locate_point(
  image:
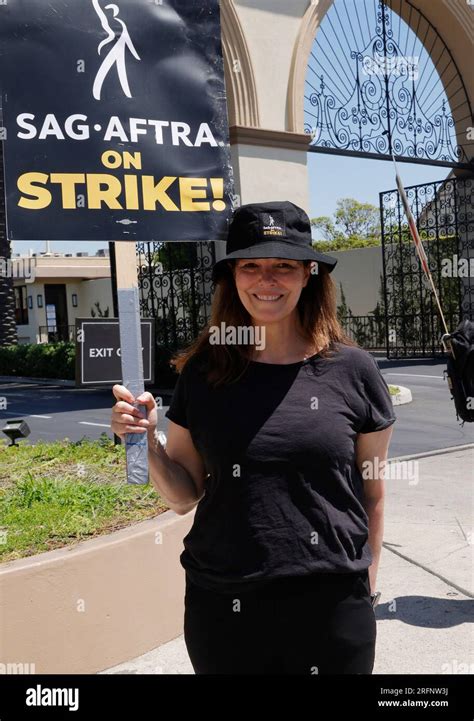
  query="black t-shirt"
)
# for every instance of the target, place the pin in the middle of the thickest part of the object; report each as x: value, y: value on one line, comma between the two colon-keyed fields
x: 284, y: 497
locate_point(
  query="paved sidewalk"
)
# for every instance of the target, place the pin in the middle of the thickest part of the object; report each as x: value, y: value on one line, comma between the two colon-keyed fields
x: 426, y: 612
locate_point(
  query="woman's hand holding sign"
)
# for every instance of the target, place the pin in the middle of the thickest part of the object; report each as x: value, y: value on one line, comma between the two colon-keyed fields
x: 178, y: 475
x: 128, y: 419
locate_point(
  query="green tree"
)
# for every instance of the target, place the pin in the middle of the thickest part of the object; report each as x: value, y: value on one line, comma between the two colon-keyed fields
x: 325, y: 225
x: 357, y: 220
x: 343, y: 310
x: 176, y: 256
x: 354, y: 225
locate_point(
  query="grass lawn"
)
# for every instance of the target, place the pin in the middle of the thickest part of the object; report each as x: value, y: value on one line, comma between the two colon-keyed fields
x: 56, y: 494
x: 393, y: 390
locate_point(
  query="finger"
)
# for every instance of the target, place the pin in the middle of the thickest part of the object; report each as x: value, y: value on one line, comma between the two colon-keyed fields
x: 147, y: 400
x: 125, y: 418
x: 123, y: 407
x: 121, y: 429
x: 122, y: 393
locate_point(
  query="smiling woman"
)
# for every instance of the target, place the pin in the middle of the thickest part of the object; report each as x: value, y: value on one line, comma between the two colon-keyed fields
x: 269, y: 443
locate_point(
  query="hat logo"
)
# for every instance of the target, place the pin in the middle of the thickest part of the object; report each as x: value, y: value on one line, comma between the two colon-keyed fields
x: 270, y: 226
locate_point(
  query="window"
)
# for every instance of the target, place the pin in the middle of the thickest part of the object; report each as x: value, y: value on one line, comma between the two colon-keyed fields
x: 21, y: 309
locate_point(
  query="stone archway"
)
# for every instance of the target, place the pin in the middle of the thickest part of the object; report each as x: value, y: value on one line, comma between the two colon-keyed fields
x: 242, y: 97
x: 310, y: 23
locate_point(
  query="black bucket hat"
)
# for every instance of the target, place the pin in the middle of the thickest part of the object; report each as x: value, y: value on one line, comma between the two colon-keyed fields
x: 276, y: 229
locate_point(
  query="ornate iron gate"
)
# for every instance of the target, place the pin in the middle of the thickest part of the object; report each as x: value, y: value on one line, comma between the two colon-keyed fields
x: 445, y: 221
x: 175, y: 287
x: 380, y: 80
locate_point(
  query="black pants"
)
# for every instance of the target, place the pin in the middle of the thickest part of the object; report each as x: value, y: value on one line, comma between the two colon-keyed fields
x: 322, y: 624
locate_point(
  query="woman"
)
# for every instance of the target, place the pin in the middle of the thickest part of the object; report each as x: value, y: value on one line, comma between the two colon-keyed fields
x: 280, y: 445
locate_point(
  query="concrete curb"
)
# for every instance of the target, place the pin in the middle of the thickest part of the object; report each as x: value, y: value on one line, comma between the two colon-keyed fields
x: 427, y: 454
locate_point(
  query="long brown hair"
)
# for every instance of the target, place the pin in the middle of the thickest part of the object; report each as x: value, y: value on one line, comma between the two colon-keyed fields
x: 226, y: 363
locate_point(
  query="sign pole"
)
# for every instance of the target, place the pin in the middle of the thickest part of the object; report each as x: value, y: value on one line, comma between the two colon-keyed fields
x: 136, y: 444
x: 113, y: 280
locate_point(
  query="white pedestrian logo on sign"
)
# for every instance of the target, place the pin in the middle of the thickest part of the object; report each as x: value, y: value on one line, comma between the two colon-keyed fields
x: 117, y: 52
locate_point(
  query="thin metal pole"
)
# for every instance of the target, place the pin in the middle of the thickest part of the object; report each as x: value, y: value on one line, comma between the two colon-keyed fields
x: 113, y: 278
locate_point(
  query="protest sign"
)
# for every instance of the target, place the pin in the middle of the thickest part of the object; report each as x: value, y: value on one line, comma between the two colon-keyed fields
x: 114, y: 120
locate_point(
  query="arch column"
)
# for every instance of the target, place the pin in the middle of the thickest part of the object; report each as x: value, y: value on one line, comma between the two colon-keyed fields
x: 268, y: 158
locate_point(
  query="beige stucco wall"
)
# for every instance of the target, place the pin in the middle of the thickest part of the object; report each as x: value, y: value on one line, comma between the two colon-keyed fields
x: 271, y: 174
x: 279, y: 35
x: 87, y: 277
x: 93, y: 291
x: 36, y: 316
x: 359, y: 273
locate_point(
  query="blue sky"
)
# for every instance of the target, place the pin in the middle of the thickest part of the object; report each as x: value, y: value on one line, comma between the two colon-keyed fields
x: 330, y: 178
